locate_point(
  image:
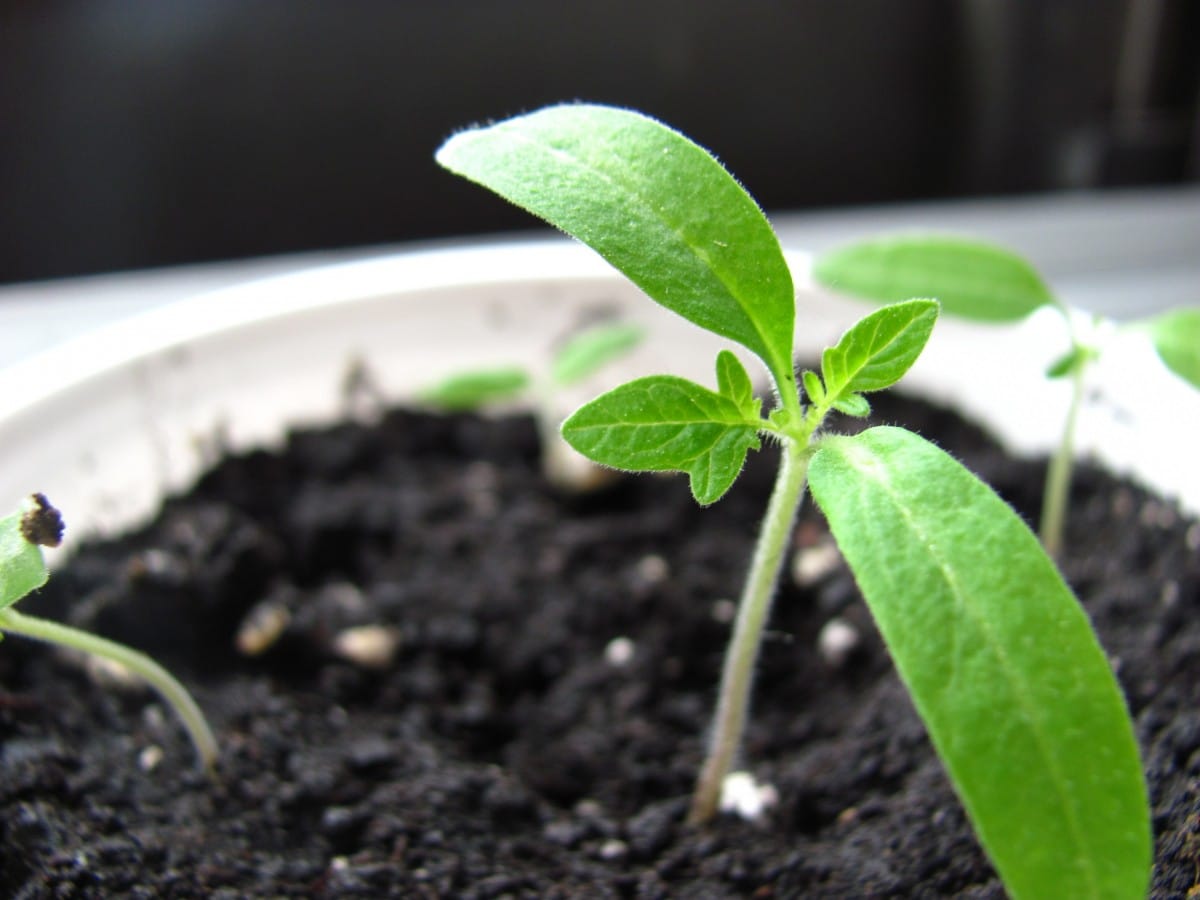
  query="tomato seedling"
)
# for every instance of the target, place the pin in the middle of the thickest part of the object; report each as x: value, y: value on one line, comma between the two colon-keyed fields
x: 23, y: 570
x: 580, y: 356
x: 999, y: 658
x: 983, y: 282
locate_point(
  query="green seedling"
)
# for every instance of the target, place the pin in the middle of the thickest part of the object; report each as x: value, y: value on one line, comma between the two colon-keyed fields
x: 23, y: 570
x: 580, y: 356
x: 999, y: 658
x: 985, y: 283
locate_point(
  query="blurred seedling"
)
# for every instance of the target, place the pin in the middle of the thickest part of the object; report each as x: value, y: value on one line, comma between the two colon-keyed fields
x: 983, y: 282
x: 581, y: 355
x: 23, y: 570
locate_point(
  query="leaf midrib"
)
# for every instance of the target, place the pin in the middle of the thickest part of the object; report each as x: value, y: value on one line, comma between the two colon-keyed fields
x: 644, y: 203
x: 943, y: 567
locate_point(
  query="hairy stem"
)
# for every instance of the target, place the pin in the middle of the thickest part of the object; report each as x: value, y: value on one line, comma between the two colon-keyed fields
x: 1058, y: 477
x: 139, y: 663
x: 755, y: 605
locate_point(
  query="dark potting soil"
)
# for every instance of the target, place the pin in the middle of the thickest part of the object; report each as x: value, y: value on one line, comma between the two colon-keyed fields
x: 460, y: 683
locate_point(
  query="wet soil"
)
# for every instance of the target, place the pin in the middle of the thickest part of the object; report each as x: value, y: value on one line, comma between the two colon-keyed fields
x: 460, y: 683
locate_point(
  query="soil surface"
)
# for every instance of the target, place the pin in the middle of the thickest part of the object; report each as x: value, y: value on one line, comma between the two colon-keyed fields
x: 434, y: 676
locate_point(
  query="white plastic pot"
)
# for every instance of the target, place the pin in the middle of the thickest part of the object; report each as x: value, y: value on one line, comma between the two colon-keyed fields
x: 108, y: 424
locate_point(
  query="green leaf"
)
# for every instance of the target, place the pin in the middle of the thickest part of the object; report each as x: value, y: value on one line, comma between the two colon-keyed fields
x: 22, y: 568
x: 1176, y: 337
x: 592, y: 349
x: 471, y: 390
x: 813, y: 389
x: 733, y: 381
x: 1071, y: 361
x: 853, y: 405
x: 969, y: 278
x: 666, y: 424
x: 654, y: 204
x: 877, y: 351
x: 1001, y: 662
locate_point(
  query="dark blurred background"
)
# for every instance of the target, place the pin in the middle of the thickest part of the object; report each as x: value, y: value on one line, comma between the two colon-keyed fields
x: 153, y: 133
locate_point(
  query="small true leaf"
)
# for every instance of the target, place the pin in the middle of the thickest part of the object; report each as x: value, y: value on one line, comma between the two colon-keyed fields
x: 654, y: 204
x: 853, y: 405
x: 471, y: 390
x: 592, y: 349
x: 876, y: 352
x: 1070, y: 362
x: 1176, y: 337
x: 22, y: 568
x: 666, y: 424
x: 969, y: 278
x: 1000, y: 660
x: 733, y: 381
x: 813, y: 389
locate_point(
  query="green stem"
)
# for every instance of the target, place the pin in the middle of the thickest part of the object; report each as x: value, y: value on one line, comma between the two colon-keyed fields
x: 1058, y: 478
x: 139, y: 663
x: 738, y: 674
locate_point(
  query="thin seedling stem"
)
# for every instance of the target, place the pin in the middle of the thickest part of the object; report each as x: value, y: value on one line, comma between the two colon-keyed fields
x: 139, y: 663
x: 738, y: 674
x: 1058, y: 478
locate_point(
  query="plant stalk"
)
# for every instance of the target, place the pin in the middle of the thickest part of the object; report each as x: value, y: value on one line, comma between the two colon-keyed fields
x: 1058, y: 478
x: 139, y: 663
x: 738, y: 674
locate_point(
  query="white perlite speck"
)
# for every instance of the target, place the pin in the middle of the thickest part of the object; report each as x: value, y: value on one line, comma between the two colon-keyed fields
x: 812, y: 564
x: 619, y: 651
x: 369, y: 646
x: 837, y: 641
x: 745, y: 797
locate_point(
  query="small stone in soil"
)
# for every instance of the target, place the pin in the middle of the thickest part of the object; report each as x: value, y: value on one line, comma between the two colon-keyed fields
x: 723, y: 611
x: 811, y: 565
x: 262, y: 627
x: 837, y: 641
x: 742, y: 795
x: 619, y: 651
x: 370, y: 646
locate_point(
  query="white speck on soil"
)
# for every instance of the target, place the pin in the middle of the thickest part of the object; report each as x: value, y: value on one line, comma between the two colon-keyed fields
x: 837, y: 640
x: 653, y: 569
x: 261, y: 627
x: 813, y: 564
x: 619, y: 651
x: 723, y: 611
x: 369, y: 646
x: 613, y: 849
x: 745, y: 797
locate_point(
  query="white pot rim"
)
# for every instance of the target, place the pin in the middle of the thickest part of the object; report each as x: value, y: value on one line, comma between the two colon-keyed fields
x: 131, y: 397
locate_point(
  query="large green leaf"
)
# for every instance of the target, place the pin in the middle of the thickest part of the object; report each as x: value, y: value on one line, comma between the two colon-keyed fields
x: 1176, y: 337
x: 21, y: 566
x: 666, y: 424
x: 969, y: 278
x: 654, y: 204
x: 1001, y: 662
x: 876, y: 352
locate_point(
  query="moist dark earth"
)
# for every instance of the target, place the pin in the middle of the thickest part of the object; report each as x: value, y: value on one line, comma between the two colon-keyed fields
x: 432, y: 675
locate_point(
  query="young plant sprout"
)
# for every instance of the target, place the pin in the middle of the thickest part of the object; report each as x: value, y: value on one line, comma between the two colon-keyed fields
x: 999, y: 658
x: 23, y: 570
x: 982, y: 282
x: 580, y: 356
